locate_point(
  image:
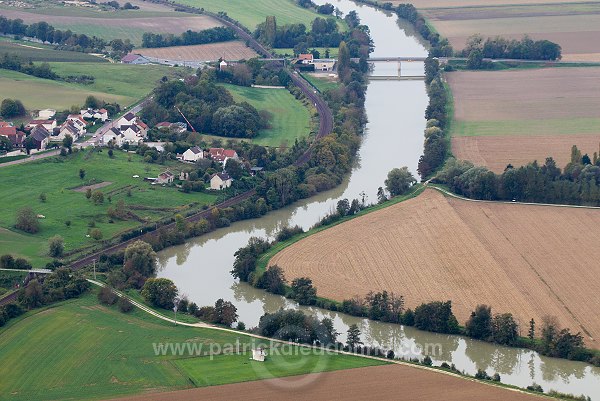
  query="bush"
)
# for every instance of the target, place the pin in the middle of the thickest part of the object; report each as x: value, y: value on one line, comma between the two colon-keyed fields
x: 241, y: 326
x: 22, y: 264
x: 27, y: 221
x: 106, y: 296
x: 7, y: 262
x: 96, y: 234
x: 125, y: 305
x: 56, y: 246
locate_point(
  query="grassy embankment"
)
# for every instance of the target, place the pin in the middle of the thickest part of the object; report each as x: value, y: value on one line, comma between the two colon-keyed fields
x: 83, y: 350
x: 252, y: 13
x: 333, y: 51
x: 21, y: 185
x: 9, y: 279
x: 291, y: 119
x: 121, y: 83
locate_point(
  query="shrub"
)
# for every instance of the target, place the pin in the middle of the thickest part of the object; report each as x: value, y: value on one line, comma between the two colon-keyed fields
x: 125, y: 305
x: 27, y: 221
x: 106, y: 296
x: 241, y: 326
x: 56, y: 246
x: 96, y: 234
x: 7, y: 262
x: 22, y: 264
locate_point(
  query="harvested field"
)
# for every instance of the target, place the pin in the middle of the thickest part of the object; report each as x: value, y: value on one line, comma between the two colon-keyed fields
x: 531, y: 261
x: 471, y: 3
x: 410, y: 383
x: 233, y: 50
x: 522, y: 115
x: 127, y: 26
x: 496, y: 152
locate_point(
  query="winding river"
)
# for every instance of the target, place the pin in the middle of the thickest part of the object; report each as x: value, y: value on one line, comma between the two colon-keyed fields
x: 393, y: 138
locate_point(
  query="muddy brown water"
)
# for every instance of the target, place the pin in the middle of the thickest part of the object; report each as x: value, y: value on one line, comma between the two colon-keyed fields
x: 393, y: 138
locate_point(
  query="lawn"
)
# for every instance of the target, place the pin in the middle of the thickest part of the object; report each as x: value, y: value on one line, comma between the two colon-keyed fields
x: 252, y: 13
x: 225, y: 369
x: 83, y: 350
x: 290, y: 118
x: 121, y: 83
x: 21, y: 185
x: 333, y: 51
x: 321, y: 81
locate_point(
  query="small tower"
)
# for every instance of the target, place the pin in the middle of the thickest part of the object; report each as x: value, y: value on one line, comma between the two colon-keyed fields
x: 222, y: 65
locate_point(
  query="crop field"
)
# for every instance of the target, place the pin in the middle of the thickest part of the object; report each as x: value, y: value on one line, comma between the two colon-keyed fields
x: 471, y: 3
x: 83, y: 350
x: 518, y: 116
x: 58, y: 178
x: 409, y: 383
x: 530, y: 261
x: 112, y: 25
x: 233, y: 51
x: 252, y: 13
x: 575, y: 26
x: 37, y: 52
x: 121, y: 83
x: 290, y: 118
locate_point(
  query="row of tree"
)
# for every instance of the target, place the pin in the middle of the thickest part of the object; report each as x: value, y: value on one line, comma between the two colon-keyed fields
x: 578, y: 183
x: 187, y: 38
x: 324, y: 32
x: 13, y: 62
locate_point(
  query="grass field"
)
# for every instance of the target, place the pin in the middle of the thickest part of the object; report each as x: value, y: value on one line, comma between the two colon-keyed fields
x: 252, y: 13
x: 121, y: 83
x: 333, y: 51
x: 232, y: 50
x: 57, y: 178
x: 527, y: 260
x: 291, y: 119
x: 82, y: 350
x: 322, y: 82
x: 518, y: 116
x: 120, y: 24
x: 37, y: 52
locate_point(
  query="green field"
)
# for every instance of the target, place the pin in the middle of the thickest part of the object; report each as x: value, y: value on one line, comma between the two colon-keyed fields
x: 83, y: 350
x: 21, y: 185
x: 564, y: 126
x: 322, y: 83
x: 333, y: 51
x: 251, y: 13
x: 121, y: 83
x: 291, y: 119
x: 37, y: 52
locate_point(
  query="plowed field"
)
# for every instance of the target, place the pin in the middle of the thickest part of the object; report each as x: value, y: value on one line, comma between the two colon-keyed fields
x: 355, y: 384
x: 528, y: 260
x: 233, y: 50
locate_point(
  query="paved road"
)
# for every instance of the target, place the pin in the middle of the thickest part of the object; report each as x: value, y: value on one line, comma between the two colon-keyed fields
x: 35, y: 156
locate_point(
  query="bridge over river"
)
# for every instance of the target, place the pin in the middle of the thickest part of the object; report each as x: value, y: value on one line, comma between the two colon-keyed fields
x: 398, y: 76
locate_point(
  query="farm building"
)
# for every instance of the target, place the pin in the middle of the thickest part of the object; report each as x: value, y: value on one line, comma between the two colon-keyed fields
x: 46, y: 114
x: 134, y: 59
x: 48, y: 124
x: 221, y: 155
x: 41, y: 136
x: 305, y: 58
x: 193, y: 154
x: 325, y: 64
x: 220, y: 181
x: 15, y: 137
x: 166, y: 177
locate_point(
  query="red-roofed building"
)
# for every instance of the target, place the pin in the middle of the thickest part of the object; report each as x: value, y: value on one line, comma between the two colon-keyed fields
x: 134, y: 59
x: 305, y: 58
x: 221, y: 155
x: 15, y: 137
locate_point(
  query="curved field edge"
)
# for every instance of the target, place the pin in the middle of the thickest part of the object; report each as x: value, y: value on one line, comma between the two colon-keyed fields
x: 80, y: 344
x: 265, y: 259
x: 511, y: 257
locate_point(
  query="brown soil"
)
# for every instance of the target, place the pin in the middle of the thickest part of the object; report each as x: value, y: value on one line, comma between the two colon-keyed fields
x: 550, y: 93
x: 390, y: 382
x: 84, y: 188
x: 234, y: 50
x: 470, y: 3
x: 531, y: 261
x: 496, y: 152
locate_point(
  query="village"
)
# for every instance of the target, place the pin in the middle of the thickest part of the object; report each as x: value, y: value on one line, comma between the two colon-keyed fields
x: 44, y: 135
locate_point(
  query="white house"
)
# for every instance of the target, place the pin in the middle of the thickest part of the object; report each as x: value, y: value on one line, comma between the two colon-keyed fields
x: 46, y: 114
x: 223, y: 64
x: 193, y: 154
x: 78, y: 122
x: 97, y: 114
x: 48, y: 124
x: 220, y: 181
x: 134, y: 59
x: 221, y: 155
x: 68, y: 128
x: 305, y: 58
x: 259, y: 354
x: 127, y: 119
x: 324, y: 64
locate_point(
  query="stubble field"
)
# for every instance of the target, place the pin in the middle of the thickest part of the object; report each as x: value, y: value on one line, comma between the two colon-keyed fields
x: 518, y: 116
x: 409, y: 384
x: 233, y: 50
x: 531, y: 261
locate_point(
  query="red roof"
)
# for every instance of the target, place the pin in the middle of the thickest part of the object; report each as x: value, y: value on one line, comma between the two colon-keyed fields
x: 38, y: 122
x: 229, y: 153
x: 5, y: 124
x: 164, y: 124
x: 130, y: 57
x: 142, y: 124
x: 103, y: 111
x: 306, y: 56
x: 7, y: 131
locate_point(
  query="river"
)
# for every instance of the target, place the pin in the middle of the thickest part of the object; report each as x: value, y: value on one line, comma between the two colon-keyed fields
x: 393, y: 138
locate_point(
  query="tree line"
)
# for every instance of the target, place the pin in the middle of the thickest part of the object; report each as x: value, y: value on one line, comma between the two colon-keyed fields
x: 187, y: 38
x: 324, y: 32
x: 577, y: 184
